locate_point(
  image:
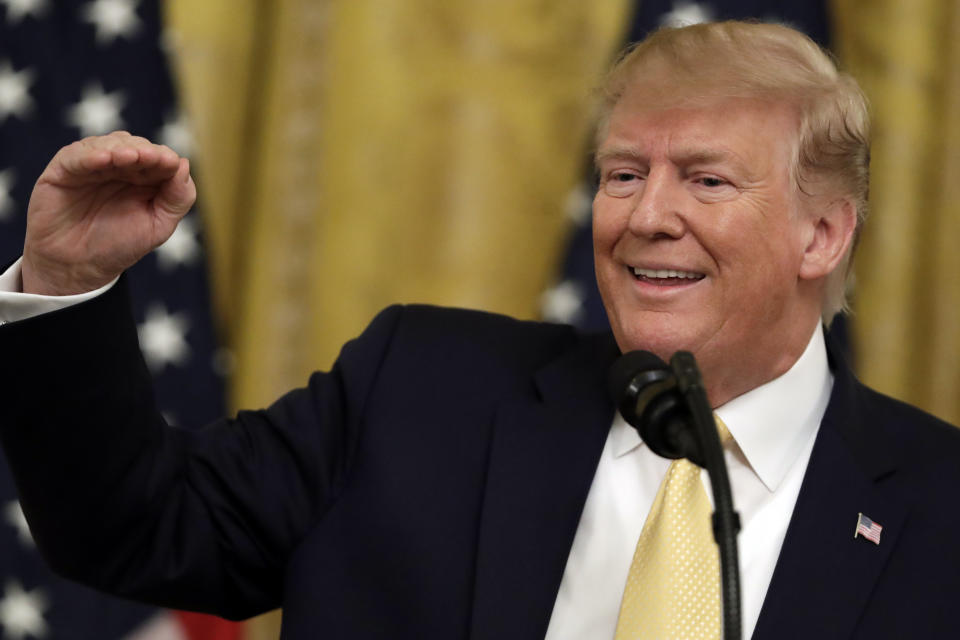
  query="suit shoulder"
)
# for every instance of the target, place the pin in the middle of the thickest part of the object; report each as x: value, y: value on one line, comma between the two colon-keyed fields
x: 876, y: 422
x: 475, y: 343
x: 439, y: 318
x: 922, y: 437
x: 482, y: 330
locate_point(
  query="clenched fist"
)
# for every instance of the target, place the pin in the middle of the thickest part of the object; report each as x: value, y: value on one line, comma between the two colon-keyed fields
x: 100, y: 205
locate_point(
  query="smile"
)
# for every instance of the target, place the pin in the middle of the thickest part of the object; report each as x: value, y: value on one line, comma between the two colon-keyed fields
x: 665, y: 276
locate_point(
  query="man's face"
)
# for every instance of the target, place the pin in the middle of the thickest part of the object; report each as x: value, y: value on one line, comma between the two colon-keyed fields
x: 699, y: 235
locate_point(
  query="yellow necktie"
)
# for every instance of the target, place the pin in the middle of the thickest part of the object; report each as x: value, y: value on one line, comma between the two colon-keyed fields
x: 673, y: 588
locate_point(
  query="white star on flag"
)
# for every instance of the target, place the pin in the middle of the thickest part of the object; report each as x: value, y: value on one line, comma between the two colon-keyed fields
x: 13, y: 514
x: 21, y: 612
x: 17, y: 9
x: 97, y: 112
x: 7, y: 178
x: 181, y: 248
x: 112, y: 19
x: 177, y: 135
x: 163, y: 337
x: 562, y: 303
x: 14, y: 97
x: 687, y: 13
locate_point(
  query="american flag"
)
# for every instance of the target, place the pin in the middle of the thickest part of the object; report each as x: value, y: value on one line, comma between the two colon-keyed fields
x: 72, y: 68
x: 868, y: 529
x: 574, y: 297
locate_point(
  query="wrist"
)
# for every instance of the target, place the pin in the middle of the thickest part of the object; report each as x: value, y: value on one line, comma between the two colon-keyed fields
x: 47, y: 279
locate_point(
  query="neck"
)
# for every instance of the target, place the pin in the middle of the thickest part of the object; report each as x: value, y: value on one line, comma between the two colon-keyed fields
x: 734, y: 376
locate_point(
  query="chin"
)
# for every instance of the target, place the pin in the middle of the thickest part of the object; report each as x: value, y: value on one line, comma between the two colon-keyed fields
x: 658, y: 337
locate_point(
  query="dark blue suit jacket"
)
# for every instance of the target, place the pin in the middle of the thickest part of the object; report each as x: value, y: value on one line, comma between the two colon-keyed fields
x: 430, y: 485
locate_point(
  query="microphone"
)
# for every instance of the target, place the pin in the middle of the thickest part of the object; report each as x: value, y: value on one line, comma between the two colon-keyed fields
x: 668, y: 406
x: 645, y: 391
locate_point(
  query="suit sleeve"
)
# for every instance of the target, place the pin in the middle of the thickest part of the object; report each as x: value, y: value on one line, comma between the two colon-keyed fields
x: 192, y: 520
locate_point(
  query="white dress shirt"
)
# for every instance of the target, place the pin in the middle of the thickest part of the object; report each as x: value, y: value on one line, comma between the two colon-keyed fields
x: 773, y: 428
x: 15, y: 305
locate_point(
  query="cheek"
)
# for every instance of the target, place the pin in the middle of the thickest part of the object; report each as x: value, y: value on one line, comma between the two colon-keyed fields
x: 765, y: 280
x: 608, y: 226
x: 757, y: 243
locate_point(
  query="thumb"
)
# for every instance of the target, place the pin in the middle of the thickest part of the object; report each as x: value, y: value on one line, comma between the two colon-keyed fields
x: 177, y: 194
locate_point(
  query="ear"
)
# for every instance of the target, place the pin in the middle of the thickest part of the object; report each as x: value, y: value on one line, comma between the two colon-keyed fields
x: 831, y: 233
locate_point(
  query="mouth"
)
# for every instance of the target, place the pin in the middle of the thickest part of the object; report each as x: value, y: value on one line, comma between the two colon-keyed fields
x: 665, y: 277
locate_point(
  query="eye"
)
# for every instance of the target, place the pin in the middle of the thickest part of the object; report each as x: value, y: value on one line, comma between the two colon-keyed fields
x: 709, y: 187
x: 621, y: 184
x: 712, y: 181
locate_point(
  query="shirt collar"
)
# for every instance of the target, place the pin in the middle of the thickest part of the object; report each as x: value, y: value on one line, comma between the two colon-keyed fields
x: 771, y: 423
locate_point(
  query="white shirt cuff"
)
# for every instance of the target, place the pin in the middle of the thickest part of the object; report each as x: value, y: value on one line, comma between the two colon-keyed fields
x: 16, y: 305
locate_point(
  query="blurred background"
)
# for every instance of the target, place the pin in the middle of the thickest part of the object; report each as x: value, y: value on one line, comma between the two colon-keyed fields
x: 355, y: 153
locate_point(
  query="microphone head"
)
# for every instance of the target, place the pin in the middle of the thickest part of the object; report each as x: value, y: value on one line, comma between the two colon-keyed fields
x: 644, y: 389
x: 626, y: 368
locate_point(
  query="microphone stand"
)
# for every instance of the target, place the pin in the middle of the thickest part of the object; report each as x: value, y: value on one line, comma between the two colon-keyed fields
x: 726, y: 521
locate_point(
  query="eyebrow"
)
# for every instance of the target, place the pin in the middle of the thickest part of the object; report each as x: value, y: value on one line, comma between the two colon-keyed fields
x: 617, y: 152
x: 682, y: 157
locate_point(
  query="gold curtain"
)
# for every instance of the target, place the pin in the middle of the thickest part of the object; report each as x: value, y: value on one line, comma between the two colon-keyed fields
x: 907, y: 321
x: 355, y: 154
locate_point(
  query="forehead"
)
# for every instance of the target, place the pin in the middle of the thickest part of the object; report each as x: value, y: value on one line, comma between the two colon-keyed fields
x: 754, y: 133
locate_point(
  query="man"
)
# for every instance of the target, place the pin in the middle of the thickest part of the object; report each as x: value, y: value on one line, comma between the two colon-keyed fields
x: 456, y: 474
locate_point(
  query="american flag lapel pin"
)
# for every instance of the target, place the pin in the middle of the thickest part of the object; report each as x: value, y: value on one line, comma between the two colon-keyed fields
x: 868, y: 529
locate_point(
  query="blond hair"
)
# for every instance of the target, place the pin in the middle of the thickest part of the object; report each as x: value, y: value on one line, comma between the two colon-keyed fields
x: 767, y: 61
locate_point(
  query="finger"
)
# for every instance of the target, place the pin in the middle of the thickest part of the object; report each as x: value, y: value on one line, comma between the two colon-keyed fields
x: 157, y: 156
x: 177, y: 194
x: 108, y: 142
x: 103, y: 140
x: 74, y: 163
x: 153, y: 165
x: 127, y: 150
x: 143, y: 159
x: 118, y: 156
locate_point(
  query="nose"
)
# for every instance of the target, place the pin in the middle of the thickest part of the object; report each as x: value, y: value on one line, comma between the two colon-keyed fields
x: 657, y: 211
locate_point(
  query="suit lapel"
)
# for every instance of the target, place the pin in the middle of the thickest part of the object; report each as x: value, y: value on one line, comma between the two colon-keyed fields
x: 543, y: 456
x: 824, y: 575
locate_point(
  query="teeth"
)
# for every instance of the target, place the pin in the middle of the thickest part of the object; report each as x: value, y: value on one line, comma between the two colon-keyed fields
x: 665, y: 273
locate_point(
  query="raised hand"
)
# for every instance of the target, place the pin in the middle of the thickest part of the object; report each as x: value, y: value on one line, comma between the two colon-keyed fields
x: 100, y: 205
